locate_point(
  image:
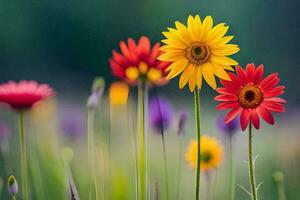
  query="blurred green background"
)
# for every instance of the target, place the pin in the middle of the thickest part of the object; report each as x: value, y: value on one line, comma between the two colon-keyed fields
x: 67, y: 43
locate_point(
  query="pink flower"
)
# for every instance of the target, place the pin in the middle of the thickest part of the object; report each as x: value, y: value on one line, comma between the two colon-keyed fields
x: 25, y: 94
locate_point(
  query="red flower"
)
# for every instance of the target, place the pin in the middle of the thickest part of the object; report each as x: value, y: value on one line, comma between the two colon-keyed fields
x: 23, y: 95
x: 251, y: 96
x: 138, y: 62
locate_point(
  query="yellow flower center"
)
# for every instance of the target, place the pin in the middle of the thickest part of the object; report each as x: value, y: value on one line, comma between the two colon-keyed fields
x: 198, y: 53
x: 143, y: 72
x: 250, y: 96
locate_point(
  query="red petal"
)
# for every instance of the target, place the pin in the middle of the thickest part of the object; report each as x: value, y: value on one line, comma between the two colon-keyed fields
x: 241, y: 74
x: 154, y: 54
x: 276, y: 99
x: 119, y: 58
x: 258, y: 74
x: 227, y: 105
x: 222, y: 91
x: 232, y: 114
x: 250, y: 71
x: 274, y: 92
x: 254, y: 118
x: 125, y: 51
x: 269, y: 82
x: 226, y: 97
x: 266, y: 115
x: 273, y: 106
x: 245, y: 118
x: 144, y: 47
x: 117, y: 70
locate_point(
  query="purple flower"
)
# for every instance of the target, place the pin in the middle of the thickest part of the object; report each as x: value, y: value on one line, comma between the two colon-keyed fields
x: 4, y: 131
x: 227, y: 129
x: 160, y: 113
x: 12, y: 185
x: 183, y: 116
x: 72, y: 121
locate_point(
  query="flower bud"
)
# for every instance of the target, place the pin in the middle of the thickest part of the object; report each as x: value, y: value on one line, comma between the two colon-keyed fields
x: 183, y: 116
x: 12, y: 185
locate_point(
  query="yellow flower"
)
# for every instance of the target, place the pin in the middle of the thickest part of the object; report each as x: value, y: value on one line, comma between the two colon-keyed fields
x: 198, y: 50
x: 211, y: 153
x: 118, y: 93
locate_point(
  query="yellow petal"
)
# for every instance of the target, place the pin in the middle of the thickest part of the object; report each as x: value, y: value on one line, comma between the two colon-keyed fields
x: 132, y: 73
x: 154, y: 74
x: 220, y: 72
x: 206, y: 27
x: 217, y: 32
x: 228, y: 67
x: 193, y: 79
x: 184, y: 78
x: 177, y: 68
x: 223, y: 60
x: 221, y: 42
x: 174, y: 34
x: 197, y: 28
x: 171, y: 56
x: 190, y: 23
x: 199, y: 78
x: 226, y: 50
x: 208, y: 74
x: 183, y: 31
x: 174, y: 43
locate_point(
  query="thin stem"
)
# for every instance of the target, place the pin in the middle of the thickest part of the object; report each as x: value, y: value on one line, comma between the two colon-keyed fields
x: 23, y: 153
x: 232, y: 171
x: 165, y: 163
x: 91, y: 155
x: 13, y: 197
x: 142, y: 147
x: 179, y: 168
x: 197, y: 113
x: 251, y: 167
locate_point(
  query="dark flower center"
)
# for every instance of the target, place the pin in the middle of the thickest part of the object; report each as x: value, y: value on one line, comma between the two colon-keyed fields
x: 206, y: 157
x: 198, y: 53
x: 250, y: 96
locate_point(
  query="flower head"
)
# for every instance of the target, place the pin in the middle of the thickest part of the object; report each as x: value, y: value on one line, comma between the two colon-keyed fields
x: 211, y: 153
x: 229, y: 128
x: 24, y: 94
x: 97, y: 92
x: 251, y: 96
x: 160, y: 113
x: 138, y: 62
x: 198, y: 50
x: 12, y: 185
x: 118, y: 93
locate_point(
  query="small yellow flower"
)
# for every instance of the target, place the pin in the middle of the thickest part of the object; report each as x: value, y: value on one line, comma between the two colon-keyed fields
x: 211, y: 153
x: 198, y: 50
x: 118, y: 93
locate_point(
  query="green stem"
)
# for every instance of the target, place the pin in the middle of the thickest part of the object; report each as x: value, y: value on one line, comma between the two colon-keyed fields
x: 23, y: 152
x: 13, y: 197
x: 179, y: 168
x: 165, y: 164
x: 251, y: 166
x: 232, y: 171
x: 142, y: 145
x: 197, y: 113
x: 91, y: 155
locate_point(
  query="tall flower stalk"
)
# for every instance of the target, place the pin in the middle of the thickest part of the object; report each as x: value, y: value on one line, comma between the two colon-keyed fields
x: 142, y: 93
x: 232, y: 170
x: 197, y: 115
x: 251, y: 165
x: 23, y: 153
x: 92, y: 103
